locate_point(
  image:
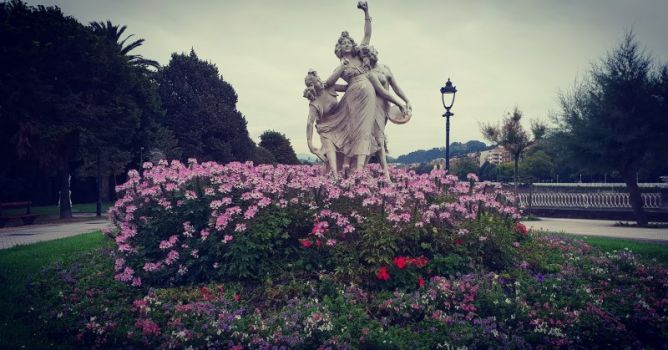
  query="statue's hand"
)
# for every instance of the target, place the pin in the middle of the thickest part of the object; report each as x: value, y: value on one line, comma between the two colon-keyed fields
x: 362, y: 5
x: 409, y: 107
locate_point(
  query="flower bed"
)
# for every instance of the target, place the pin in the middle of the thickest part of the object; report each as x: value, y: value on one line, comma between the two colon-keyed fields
x: 237, y: 256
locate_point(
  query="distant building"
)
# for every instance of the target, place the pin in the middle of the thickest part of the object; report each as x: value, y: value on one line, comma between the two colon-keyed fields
x: 494, y: 156
x: 438, y: 163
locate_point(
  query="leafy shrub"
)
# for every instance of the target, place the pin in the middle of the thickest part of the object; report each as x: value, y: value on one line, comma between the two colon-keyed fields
x: 184, y: 224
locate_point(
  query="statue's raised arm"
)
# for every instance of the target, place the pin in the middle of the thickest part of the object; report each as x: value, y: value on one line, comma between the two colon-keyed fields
x: 367, y: 22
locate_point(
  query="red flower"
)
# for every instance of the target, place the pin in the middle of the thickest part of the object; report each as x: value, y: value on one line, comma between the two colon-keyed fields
x: 420, y: 282
x: 237, y: 297
x: 419, y: 262
x: 459, y: 241
x: 521, y: 229
x: 206, y: 294
x: 382, y: 274
x: 305, y: 243
x: 400, y: 261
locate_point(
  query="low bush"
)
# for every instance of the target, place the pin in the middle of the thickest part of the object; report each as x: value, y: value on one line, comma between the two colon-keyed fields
x: 183, y: 224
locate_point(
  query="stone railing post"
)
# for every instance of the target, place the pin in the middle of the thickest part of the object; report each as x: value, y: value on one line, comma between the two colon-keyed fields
x: 663, y: 205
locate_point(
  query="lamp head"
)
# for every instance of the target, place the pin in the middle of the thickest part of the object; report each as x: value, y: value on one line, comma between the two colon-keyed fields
x: 447, y: 90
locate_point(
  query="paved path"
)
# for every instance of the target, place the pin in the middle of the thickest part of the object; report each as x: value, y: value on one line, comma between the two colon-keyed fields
x: 604, y: 228
x: 27, y: 234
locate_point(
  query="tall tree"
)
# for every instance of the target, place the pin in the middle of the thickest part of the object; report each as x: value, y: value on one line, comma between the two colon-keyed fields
x: 279, y: 146
x: 615, y: 119
x: 511, y: 135
x: 114, y: 33
x: 63, y: 90
x: 200, y: 108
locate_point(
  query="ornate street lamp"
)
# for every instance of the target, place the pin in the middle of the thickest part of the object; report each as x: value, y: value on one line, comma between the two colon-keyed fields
x: 448, y: 89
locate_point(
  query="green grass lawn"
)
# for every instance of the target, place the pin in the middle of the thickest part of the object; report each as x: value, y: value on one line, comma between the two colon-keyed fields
x: 18, y: 266
x: 647, y: 250
x: 54, y: 210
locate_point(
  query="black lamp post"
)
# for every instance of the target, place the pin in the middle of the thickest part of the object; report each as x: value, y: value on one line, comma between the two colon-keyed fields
x: 448, y: 89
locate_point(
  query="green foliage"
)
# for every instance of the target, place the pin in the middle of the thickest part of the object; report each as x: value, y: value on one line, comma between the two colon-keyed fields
x: 279, y: 146
x: 263, y: 156
x: 69, y: 94
x: 611, y: 120
x: 616, y: 119
x: 257, y: 252
x: 463, y: 166
x: 491, y: 242
x: 511, y: 135
x: 200, y: 109
x: 450, y: 265
x: 536, y: 166
x: 113, y: 34
x: 378, y: 245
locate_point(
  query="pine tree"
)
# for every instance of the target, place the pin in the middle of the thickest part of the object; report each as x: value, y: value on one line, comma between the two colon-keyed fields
x: 616, y: 119
x: 200, y: 108
x: 279, y: 146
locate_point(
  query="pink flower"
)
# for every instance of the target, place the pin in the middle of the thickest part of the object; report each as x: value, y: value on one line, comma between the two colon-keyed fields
x: 147, y: 327
x: 172, y: 256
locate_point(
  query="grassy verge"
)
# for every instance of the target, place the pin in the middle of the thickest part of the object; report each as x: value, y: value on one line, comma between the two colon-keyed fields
x: 18, y: 266
x: 54, y: 210
x: 646, y: 250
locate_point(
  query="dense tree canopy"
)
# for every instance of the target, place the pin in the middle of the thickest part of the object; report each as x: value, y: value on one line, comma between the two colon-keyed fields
x: 616, y: 118
x: 64, y: 89
x: 279, y: 146
x: 200, y: 108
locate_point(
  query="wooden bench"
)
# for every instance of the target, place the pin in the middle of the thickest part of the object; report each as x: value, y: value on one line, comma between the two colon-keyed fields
x: 27, y: 218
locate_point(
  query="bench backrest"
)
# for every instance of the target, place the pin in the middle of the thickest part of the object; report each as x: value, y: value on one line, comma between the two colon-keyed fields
x: 14, y: 205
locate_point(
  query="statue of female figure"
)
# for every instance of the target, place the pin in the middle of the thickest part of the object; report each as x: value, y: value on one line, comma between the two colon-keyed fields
x: 382, y: 79
x: 352, y: 125
x: 322, y: 105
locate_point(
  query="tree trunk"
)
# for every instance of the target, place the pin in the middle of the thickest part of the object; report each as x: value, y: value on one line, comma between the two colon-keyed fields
x: 634, y: 197
x: 65, y: 207
x: 517, y: 162
x: 98, y: 187
x: 106, y: 180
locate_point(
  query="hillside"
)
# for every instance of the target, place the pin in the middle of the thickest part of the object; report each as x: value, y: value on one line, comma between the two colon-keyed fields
x: 456, y: 149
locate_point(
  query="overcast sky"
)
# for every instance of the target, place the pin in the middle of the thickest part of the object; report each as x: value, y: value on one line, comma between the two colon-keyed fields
x: 499, y: 54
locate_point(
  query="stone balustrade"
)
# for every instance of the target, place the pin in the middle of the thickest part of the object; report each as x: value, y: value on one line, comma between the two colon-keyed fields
x: 651, y: 200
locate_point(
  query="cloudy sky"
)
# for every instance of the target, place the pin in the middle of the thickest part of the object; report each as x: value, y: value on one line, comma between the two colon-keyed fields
x: 499, y: 54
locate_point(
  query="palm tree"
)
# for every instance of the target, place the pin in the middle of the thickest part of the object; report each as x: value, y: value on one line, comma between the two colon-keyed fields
x: 113, y: 33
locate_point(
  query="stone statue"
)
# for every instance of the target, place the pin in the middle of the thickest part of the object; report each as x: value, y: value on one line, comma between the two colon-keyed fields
x: 322, y: 103
x: 350, y: 128
x: 382, y: 79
